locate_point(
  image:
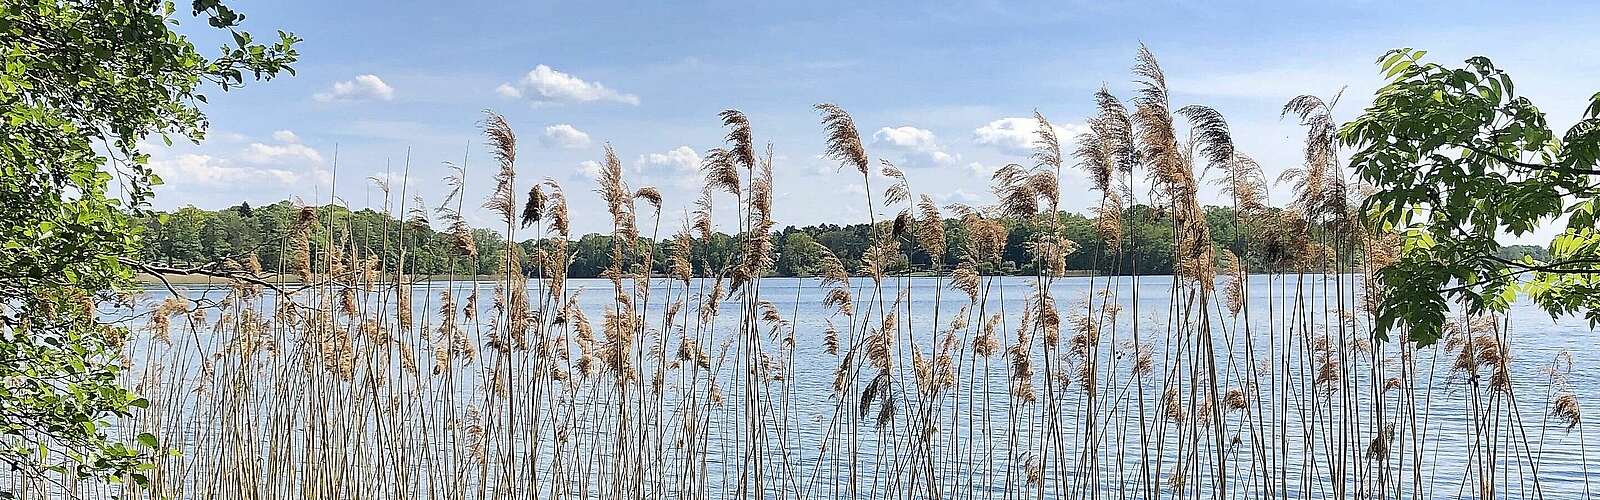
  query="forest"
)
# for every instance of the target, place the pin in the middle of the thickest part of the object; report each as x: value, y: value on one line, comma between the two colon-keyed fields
x: 192, y: 236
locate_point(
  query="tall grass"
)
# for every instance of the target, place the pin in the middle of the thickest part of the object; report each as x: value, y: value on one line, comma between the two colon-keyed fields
x: 357, y: 384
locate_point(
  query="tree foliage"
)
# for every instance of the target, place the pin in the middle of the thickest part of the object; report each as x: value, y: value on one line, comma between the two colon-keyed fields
x: 83, y: 82
x: 191, y: 236
x: 1459, y: 159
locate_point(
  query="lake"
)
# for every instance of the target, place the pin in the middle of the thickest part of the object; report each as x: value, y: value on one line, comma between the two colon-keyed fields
x: 1295, y: 438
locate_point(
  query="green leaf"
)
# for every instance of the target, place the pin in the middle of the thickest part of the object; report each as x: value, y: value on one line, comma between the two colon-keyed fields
x: 1396, y: 69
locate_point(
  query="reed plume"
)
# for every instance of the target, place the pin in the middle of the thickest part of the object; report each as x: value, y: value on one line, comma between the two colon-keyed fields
x: 843, y: 142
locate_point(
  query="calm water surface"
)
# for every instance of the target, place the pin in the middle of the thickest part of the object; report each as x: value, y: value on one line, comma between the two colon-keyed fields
x: 1535, y: 341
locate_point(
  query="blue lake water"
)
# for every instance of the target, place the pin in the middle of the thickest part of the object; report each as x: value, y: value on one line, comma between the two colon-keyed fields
x: 975, y: 459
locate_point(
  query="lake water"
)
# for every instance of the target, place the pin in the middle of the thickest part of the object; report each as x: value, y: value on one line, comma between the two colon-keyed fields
x: 977, y: 460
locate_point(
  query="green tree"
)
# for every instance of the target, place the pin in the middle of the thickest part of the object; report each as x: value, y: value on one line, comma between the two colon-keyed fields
x: 83, y: 82
x: 1459, y: 159
x: 184, y: 230
x: 799, y: 255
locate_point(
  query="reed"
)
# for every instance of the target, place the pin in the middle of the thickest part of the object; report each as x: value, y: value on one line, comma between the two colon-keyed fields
x: 1249, y: 374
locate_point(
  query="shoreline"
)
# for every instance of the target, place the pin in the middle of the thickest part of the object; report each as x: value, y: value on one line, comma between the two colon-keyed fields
x: 290, y: 279
x: 287, y: 279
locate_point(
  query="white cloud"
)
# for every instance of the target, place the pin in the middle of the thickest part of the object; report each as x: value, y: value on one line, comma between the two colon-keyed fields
x: 225, y: 136
x: 1016, y: 135
x: 589, y: 169
x: 920, y: 147
x: 906, y: 137
x: 960, y: 195
x: 285, y: 136
x: 362, y: 88
x: 681, y: 158
x: 506, y: 90
x: 546, y: 85
x: 279, y: 153
x: 981, y: 170
x: 212, y: 172
x: 562, y: 135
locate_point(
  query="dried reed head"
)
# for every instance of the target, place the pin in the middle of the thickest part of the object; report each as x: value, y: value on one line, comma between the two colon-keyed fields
x: 830, y: 338
x: 1210, y: 132
x: 1233, y: 288
x: 347, y: 301
x: 1328, y: 373
x: 741, y: 143
x: 1142, y: 357
x: 678, y: 265
x: 1046, y: 317
x: 1021, y: 360
x: 1085, y: 336
x: 1051, y: 251
x: 502, y: 143
x: 1108, y: 221
x: 160, y: 324
x: 965, y: 278
x: 876, y: 260
x: 885, y: 396
x: 300, y: 242
x: 1319, y: 186
x: 1235, y: 399
x: 1203, y: 413
x: 533, y: 210
x: 1378, y: 448
x: 721, y: 165
x: 1566, y: 410
x: 987, y: 342
x: 930, y: 230
x: 619, y: 200
x: 1172, y: 169
x: 1032, y: 471
x: 1047, y: 158
x: 1016, y: 197
x: 986, y: 238
x: 1172, y: 405
x: 556, y: 201
x: 901, y: 225
x: 843, y: 141
x: 650, y: 195
x: 880, y: 344
x: 1096, y: 152
x: 900, y: 190
x: 1087, y: 379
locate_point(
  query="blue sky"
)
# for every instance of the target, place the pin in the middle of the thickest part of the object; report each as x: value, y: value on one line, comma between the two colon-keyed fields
x: 938, y: 88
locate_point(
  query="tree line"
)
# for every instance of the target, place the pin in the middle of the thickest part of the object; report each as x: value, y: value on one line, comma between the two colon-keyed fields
x: 191, y: 236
